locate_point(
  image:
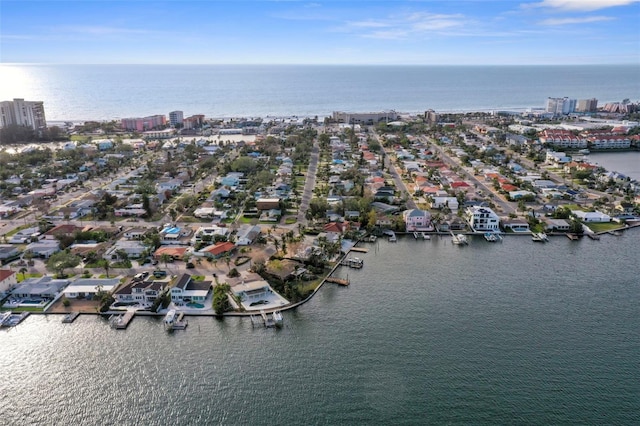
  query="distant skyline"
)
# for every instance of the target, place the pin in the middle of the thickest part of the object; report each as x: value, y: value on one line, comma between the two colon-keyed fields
x: 526, y: 32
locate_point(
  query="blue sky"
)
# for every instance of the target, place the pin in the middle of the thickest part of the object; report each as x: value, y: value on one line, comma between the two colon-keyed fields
x: 321, y: 32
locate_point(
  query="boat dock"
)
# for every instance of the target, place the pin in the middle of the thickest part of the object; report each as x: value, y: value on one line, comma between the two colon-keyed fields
x: 11, y: 320
x: 268, y: 320
x: 70, y: 317
x: 180, y: 323
x: 573, y: 237
x: 360, y: 249
x: 338, y: 281
x: 121, y: 322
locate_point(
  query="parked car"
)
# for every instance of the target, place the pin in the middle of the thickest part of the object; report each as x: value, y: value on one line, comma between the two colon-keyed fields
x: 190, y: 265
x: 159, y: 274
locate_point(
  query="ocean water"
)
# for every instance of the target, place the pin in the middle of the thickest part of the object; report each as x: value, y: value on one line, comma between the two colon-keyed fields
x: 105, y: 92
x: 427, y: 333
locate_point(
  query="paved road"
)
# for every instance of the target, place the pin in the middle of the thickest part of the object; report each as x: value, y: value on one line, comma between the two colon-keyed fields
x: 309, y: 184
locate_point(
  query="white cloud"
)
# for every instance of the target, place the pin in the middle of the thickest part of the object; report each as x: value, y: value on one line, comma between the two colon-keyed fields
x: 571, y: 21
x: 580, y: 5
x: 404, y: 26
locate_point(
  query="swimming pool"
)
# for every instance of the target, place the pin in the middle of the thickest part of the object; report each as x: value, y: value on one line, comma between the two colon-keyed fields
x: 195, y: 305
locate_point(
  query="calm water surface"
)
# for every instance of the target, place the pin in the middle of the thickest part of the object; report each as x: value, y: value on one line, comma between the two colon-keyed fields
x: 428, y: 333
x: 106, y: 92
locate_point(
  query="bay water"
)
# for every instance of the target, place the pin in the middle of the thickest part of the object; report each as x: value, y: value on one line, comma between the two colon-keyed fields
x: 427, y: 333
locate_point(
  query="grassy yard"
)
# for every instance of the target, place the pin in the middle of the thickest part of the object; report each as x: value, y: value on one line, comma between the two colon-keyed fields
x: 21, y: 278
x: 19, y: 228
x: 603, y: 227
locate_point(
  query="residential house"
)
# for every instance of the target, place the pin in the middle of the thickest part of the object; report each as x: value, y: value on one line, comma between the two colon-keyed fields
x: 442, y: 202
x: 43, y: 288
x: 174, y: 252
x: 516, y: 225
x: 417, y: 220
x: 556, y: 225
x: 252, y: 291
x: 89, y: 287
x: 140, y: 291
x: 25, y: 235
x: 188, y: 290
x: 134, y: 249
x: 217, y: 250
x: 8, y: 253
x: 44, y: 248
x: 247, y: 234
x: 8, y: 280
x: 591, y: 216
x: 482, y: 219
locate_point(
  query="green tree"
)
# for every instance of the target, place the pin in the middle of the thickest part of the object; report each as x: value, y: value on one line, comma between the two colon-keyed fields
x: 62, y: 260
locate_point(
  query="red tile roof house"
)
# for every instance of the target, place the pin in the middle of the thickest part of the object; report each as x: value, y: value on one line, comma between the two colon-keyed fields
x: 176, y: 253
x: 218, y: 250
x: 337, y: 227
x: 8, y: 280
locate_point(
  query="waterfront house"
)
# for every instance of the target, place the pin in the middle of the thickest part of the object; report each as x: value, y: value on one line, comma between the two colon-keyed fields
x: 89, y: 287
x: 189, y: 290
x: 417, y: 220
x: 42, y: 288
x: 252, y: 291
x: 143, y: 292
x: 516, y: 225
x: 591, y: 216
x: 482, y: 219
x: 556, y: 225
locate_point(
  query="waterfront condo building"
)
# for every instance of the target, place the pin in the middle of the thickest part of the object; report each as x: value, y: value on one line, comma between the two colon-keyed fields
x: 23, y: 113
x: 587, y: 105
x: 560, y: 106
x: 145, y: 123
x: 175, y: 118
x: 482, y: 219
x: 364, y: 117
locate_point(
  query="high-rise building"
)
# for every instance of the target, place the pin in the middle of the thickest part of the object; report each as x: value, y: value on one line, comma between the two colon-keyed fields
x: 587, y: 105
x: 560, y: 106
x: 23, y: 113
x: 431, y: 117
x: 176, y: 117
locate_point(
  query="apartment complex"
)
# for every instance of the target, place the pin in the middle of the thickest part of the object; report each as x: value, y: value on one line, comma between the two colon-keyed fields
x: 364, y: 117
x: 145, y: 123
x: 175, y: 118
x: 587, y: 105
x: 560, y: 106
x: 23, y: 113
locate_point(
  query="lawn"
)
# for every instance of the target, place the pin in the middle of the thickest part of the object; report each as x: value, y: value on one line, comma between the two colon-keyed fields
x: 603, y: 227
x: 27, y: 276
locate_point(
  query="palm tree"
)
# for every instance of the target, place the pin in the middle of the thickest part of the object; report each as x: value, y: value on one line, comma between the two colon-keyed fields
x: 164, y: 257
x: 23, y: 271
x: 104, y: 263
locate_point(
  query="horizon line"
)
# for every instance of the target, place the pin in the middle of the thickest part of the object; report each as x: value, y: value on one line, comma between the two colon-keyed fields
x: 323, y: 64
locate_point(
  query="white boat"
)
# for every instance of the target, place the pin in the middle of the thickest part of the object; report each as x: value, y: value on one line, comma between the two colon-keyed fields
x: 277, y: 318
x: 540, y: 237
x: 584, y: 152
x: 170, y: 319
x: 425, y: 236
x: 415, y: 235
x: 372, y: 238
x: 393, y: 239
x: 459, y: 239
x: 491, y: 237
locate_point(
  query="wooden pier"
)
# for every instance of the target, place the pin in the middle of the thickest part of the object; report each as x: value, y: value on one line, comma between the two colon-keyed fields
x: 338, y: 281
x: 573, y: 237
x: 70, y: 317
x: 360, y: 249
x: 121, y: 322
x: 352, y: 263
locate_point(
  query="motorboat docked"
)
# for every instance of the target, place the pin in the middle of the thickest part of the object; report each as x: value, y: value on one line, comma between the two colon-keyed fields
x: 372, y: 238
x: 13, y: 319
x: 584, y: 152
x: 492, y: 237
x: 425, y: 236
x: 540, y: 237
x: 174, y: 321
x: 393, y: 238
x: 353, y: 262
x: 277, y: 318
x: 4, y: 316
x: 459, y: 239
